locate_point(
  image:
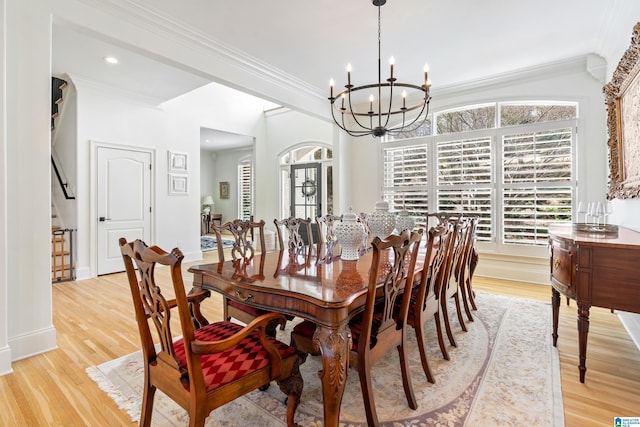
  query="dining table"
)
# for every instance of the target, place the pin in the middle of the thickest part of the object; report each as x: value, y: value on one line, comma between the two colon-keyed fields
x: 309, y: 282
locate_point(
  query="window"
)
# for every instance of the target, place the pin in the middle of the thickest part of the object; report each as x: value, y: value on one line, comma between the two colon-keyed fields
x: 514, y: 170
x: 245, y: 185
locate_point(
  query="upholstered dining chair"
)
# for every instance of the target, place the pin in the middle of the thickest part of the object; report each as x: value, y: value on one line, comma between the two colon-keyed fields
x: 212, y: 363
x: 297, y: 231
x: 378, y: 329
x: 425, y: 298
x: 243, y: 234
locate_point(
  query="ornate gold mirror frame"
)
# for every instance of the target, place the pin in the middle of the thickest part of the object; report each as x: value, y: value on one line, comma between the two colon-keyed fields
x: 622, y: 96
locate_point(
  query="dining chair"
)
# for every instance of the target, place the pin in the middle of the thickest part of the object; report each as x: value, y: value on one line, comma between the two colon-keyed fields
x: 363, y: 218
x: 471, y: 255
x: 211, y: 363
x: 425, y: 298
x: 326, y: 227
x: 451, y: 288
x: 467, y: 268
x: 298, y: 231
x: 243, y: 233
x: 473, y: 263
x: 378, y: 329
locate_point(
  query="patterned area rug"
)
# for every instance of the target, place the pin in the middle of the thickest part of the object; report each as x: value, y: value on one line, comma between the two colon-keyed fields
x: 208, y: 243
x: 504, y: 372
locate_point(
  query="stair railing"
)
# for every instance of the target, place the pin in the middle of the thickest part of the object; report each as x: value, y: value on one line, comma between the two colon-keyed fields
x: 63, y: 184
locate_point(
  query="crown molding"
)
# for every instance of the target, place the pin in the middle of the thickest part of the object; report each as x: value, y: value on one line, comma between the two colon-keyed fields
x: 590, y: 63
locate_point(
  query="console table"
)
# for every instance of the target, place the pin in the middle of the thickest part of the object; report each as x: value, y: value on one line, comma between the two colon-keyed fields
x: 594, y: 269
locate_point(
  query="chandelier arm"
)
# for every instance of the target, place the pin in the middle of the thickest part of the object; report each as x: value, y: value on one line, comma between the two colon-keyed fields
x: 344, y: 128
x: 404, y: 127
x: 354, y: 114
x: 410, y: 127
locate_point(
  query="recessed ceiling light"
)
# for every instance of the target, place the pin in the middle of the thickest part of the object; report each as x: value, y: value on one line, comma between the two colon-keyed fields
x: 111, y: 59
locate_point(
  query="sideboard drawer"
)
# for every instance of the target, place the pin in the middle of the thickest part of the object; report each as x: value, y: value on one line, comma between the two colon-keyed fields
x: 563, y: 267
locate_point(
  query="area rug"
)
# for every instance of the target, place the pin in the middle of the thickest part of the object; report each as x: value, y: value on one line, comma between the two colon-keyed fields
x: 504, y: 372
x: 208, y: 243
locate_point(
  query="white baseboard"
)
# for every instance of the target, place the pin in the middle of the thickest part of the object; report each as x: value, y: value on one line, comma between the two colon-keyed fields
x: 631, y: 322
x: 5, y: 361
x: 518, y: 268
x: 83, y: 273
x: 33, y: 343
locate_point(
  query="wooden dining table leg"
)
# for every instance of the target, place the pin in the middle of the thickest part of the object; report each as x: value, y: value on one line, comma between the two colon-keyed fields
x: 333, y: 345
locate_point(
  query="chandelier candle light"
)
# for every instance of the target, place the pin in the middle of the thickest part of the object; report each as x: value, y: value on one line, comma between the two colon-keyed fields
x: 377, y: 123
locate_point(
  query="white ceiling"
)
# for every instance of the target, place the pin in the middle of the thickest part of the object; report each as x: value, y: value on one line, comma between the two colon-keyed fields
x: 462, y: 41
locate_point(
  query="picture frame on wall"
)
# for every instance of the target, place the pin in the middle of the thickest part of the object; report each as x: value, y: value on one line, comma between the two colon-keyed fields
x: 178, y: 162
x: 622, y: 97
x: 178, y: 185
x: 224, y: 189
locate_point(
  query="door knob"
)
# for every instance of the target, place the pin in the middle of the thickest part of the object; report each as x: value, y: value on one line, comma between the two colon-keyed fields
x: 103, y: 219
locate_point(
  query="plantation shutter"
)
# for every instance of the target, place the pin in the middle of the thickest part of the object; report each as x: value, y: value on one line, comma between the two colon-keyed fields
x: 465, y: 181
x: 537, y: 184
x: 245, y: 184
x: 406, y: 180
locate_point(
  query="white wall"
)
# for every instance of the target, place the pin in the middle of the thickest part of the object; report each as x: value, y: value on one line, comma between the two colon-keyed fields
x: 223, y: 166
x: 5, y: 350
x: 285, y: 129
x: 27, y: 320
x: 105, y: 119
x: 208, y: 177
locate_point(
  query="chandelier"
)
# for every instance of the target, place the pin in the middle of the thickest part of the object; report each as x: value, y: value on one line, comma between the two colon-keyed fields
x: 351, y: 115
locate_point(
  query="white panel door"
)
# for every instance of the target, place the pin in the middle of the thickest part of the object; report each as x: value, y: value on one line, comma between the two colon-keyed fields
x: 123, y: 203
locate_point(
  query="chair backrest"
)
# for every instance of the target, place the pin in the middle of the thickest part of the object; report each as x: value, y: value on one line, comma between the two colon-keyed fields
x: 150, y: 304
x: 468, y: 255
x: 393, y: 263
x: 243, y: 234
x: 438, y: 252
x: 326, y: 227
x: 436, y: 218
x: 296, y: 238
x: 363, y: 218
x: 462, y: 226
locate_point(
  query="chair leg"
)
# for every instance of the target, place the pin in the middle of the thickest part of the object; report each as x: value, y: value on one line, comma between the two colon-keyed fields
x: 445, y: 319
x: 406, y: 377
x: 292, y: 386
x: 423, y: 352
x: 225, y: 309
x: 367, y: 395
x: 147, y: 404
x: 472, y: 268
x: 443, y: 348
x: 456, y: 297
x: 465, y: 299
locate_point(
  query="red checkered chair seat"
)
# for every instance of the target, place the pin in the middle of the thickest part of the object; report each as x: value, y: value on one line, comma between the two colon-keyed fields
x: 222, y: 368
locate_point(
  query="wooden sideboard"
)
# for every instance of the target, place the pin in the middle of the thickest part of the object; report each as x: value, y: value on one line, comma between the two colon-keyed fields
x: 594, y: 269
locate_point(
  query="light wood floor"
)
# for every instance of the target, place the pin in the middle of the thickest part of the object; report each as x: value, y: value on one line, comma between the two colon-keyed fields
x: 94, y: 322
